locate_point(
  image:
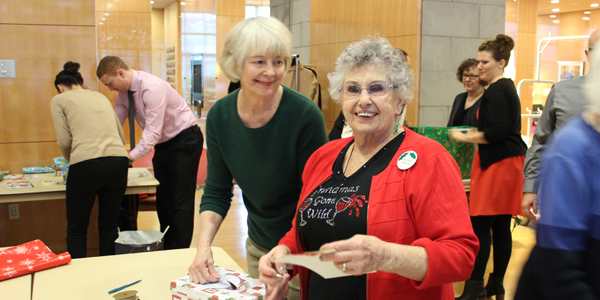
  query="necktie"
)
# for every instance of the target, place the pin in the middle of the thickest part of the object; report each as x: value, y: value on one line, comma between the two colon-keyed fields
x: 131, y: 120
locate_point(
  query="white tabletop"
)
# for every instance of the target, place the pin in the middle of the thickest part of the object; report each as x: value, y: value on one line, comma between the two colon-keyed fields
x: 139, y: 180
x: 18, y: 288
x: 93, y: 277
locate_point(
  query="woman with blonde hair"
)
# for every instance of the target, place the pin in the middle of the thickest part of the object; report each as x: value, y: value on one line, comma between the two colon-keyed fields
x: 260, y: 136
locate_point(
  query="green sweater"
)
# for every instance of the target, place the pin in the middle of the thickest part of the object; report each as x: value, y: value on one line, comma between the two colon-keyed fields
x: 266, y: 162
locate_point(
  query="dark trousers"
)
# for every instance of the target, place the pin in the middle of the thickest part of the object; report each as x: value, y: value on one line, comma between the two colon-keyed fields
x: 175, y: 165
x: 502, y: 240
x: 107, y: 178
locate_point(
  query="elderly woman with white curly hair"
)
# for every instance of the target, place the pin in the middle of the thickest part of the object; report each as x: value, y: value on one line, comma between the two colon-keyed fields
x: 260, y: 135
x: 387, y: 205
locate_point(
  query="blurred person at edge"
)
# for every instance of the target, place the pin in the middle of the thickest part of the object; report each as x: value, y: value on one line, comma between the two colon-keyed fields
x: 565, y: 100
x: 392, y: 201
x: 496, y: 181
x: 466, y: 105
x: 565, y: 262
x: 260, y: 135
x: 91, y: 139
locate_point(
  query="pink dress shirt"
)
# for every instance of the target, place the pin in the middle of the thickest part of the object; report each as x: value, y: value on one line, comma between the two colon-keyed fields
x: 159, y: 109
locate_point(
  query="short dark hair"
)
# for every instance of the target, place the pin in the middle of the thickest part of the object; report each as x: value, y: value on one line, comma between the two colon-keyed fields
x: 109, y: 65
x: 69, y: 76
x: 465, y: 65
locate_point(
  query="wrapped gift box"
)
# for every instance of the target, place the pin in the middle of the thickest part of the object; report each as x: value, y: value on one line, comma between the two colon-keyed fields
x: 248, y: 288
x: 28, y: 258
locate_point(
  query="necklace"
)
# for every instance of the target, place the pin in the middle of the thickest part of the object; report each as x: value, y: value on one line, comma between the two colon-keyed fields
x: 348, y: 162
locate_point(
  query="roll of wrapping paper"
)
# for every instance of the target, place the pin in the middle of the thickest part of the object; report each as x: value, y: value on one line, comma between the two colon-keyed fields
x: 49, y: 182
x: 126, y: 295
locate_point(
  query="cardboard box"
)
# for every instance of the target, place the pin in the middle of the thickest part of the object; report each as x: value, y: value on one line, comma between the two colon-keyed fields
x: 248, y: 288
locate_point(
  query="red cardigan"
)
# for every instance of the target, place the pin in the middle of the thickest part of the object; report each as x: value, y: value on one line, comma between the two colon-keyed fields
x: 423, y: 206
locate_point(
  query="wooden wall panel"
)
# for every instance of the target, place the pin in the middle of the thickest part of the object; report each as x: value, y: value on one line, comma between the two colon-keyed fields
x: 16, y: 156
x: 395, y: 18
x: 25, y: 100
x: 70, y: 12
x: 336, y: 24
x: 229, y: 13
x: 126, y: 32
x: 324, y: 22
x: 355, y: 20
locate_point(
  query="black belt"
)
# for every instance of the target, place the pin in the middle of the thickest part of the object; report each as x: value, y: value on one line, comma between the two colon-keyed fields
x: 192, y: 128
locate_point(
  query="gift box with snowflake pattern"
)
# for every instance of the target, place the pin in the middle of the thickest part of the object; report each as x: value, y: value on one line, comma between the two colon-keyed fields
x: 28, y: 258
x: 233, y: 285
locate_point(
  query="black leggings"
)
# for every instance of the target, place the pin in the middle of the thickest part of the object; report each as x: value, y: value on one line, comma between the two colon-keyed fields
x: 107, y: 178
x: 502, y: 238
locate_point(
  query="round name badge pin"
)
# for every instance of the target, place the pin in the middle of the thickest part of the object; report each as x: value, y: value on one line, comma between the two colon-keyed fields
x: 407, y: 160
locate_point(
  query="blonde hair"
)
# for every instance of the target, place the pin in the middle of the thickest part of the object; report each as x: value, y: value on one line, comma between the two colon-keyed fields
x: 259, y: 35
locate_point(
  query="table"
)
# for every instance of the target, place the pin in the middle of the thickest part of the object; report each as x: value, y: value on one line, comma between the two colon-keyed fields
x: 93, y: 277
x: 42, y: 212
x: 139, y: 181
x: 18, y: 288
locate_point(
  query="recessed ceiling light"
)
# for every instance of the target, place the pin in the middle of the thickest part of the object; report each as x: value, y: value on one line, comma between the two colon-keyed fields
x: 151, y: 2
x: 101, y: 23
x: 182, y: 3
x: 586, y: 18
x: 554, y: 1
x: 556, y: 21
x: 594, y: 5
x: 556, y: 9
x: 107, y: 14
x: 587, y: 12
x: 552, y: 16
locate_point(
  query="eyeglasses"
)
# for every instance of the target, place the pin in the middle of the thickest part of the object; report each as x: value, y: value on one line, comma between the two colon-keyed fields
x: 377, y: 89
x: 473, y: 77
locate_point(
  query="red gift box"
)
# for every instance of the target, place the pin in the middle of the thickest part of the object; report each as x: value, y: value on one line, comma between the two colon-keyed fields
x: 28, y: 258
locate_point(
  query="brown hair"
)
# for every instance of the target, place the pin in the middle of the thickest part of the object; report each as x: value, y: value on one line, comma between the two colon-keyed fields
x: 109, y: 65
x: 465, y: 65
x: 500, y: 47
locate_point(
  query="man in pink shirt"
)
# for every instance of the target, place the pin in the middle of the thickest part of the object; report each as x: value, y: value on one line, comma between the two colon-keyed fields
x: 170, y: 127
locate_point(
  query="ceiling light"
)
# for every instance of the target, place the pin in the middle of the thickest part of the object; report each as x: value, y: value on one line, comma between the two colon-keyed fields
x: 587, y: 12
x: 182, y: 3
x: 586, y: 18
x: 103, y: 19
x: 107, y: 14
x: 552, y: 16
x: 554, y: 1
x: 556, y: 9
x: 556, y: 21
x: 151, y: 2
x: 101, y: 23
x: 594, y: 5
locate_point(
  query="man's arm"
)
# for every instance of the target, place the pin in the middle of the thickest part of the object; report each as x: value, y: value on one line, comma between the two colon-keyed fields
x: 155, y: 103
x: 545, y: 127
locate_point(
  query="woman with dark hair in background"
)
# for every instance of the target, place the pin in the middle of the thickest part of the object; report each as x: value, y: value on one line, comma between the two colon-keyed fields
x: 497, y: 180
x: 466, y: 105
x: 91, y: 139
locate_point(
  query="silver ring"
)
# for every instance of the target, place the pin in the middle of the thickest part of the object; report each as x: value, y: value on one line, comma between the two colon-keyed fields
x: 344, y: 269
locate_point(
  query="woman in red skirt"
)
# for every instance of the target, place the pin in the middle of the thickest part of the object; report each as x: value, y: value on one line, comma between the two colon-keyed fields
x: 497, y: 180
